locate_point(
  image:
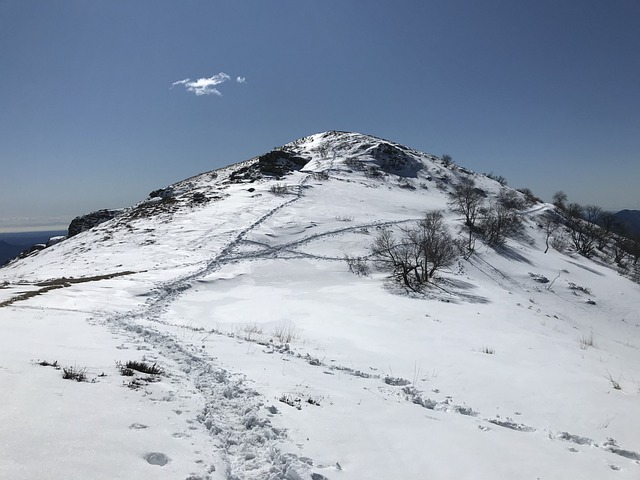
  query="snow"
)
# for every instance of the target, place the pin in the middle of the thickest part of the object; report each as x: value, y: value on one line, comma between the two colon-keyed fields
x: 279, y: 363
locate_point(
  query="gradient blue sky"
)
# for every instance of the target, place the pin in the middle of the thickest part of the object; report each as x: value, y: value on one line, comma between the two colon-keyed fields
x: 543, y: 92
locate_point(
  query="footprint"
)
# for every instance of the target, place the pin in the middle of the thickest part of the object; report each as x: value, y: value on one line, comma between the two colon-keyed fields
x: 156, y: 458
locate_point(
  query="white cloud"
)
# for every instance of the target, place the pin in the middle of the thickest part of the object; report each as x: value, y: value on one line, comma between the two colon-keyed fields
x: 204, y: 86
x: 241, y: 79
x: 180, y: 82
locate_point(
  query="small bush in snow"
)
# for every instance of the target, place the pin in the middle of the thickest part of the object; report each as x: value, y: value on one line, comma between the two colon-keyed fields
x: 286, y: 333
x: 358, y: 266
x: 75, y: 373
x: 614, y: 383
x: 587, y: 341
x: 138, y: 366
x: 124, y: 371
x: 559, y: 243
x: 279, y: 189
x: 539, y: 278
x: 488, y: 350
x: 250, y: 331
x: 291, y: 401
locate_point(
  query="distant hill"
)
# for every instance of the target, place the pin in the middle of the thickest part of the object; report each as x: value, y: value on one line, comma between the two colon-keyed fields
x: 630, y: 219
x: 8, y: 251
x: 12, y: 244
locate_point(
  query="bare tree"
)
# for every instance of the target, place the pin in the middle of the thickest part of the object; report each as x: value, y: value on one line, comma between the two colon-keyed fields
x: 436, y: 245
x: 447, y: 160
x: 467, y: 199
x: 510, y: 199
x: 418, y: 253
x: 633, y: 247
x: 560, y: 199
x: 499, y: 223
x: 608, y: 225
x: 582, y: 221
x: 394, y: 255
x: 550, y: 224
x: 620, y: 247
x: 529, y: 196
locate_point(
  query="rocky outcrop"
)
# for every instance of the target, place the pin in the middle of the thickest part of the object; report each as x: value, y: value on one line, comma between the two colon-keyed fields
x: 90, y: 220
x: 276, y: 163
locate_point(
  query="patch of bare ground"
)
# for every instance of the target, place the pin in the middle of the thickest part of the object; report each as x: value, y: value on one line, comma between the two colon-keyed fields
x: 62, y: 282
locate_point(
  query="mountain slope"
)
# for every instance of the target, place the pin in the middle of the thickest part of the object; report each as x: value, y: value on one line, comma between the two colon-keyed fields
x: 630, y: 219
x: 279, y: 363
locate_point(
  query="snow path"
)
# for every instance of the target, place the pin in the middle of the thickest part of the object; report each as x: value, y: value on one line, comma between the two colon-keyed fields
x: 250, y: 444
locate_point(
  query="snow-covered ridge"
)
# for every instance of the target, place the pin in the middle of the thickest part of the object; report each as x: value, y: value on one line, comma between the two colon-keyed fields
x: 279, y: 363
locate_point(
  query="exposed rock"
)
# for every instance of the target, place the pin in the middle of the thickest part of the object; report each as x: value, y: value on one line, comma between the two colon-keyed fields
x: 90, y: 220
x: 54, y: 240
x: 395, y: 159
x: 276, y: 163
x: 167, y: 192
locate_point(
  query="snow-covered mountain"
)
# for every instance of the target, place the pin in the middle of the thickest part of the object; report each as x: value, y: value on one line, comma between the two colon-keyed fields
x: 268, y: 359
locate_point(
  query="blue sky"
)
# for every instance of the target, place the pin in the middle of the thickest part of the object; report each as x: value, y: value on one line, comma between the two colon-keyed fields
x: 543, y: 92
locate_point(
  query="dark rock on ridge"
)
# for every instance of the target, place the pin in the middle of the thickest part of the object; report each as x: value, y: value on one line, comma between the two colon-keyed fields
x: 90, y: 220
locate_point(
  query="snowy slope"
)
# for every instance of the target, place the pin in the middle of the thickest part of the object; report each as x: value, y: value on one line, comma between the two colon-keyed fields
x: 279, y: 363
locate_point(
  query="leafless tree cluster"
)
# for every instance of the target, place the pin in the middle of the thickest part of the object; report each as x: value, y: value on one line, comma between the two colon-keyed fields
x: 493, y: 222
x: 593, y: 230
x: 498, y: 223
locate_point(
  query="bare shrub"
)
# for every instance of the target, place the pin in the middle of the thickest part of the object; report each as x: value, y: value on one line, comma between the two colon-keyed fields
x: 582, y: 222
x: 614, y: 383
x: 141, y: 367
x: 467, y: 199
x: 421, y: 251
x: 75, y: 373
x: 559, y: 200
x: 559, y: 243
x: 279, y: 189
x: 498, y: 224
x: 286, y: 333
x: 358, y: 266
x: 498, y: 178
x: 586, y: 341
x: 250, y: 331
x: 529, y: 196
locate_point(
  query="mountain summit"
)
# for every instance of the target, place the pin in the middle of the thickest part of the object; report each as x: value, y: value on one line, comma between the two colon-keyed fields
x: 244, y: 323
